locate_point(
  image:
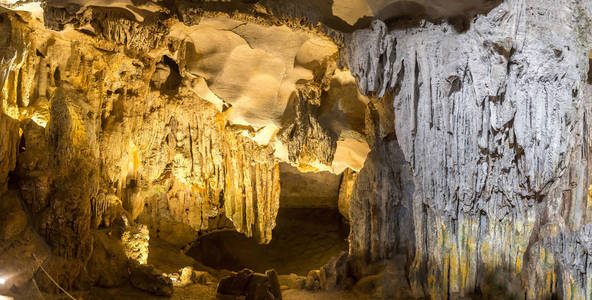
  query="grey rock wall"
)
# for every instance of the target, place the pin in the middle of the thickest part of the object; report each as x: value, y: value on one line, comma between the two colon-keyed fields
x: 493, y: 123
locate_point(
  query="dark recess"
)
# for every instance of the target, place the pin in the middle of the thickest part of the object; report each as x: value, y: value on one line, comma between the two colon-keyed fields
x: 589, y: 79
x: 174, y: 80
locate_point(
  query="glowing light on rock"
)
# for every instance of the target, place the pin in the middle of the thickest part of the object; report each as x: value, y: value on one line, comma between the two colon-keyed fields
x: 135, y: 243
x: 186, y: 276
x: 134, y: 161
x: 39, y: 120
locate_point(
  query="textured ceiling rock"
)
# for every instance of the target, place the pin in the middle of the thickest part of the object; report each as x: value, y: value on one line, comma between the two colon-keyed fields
x: 99, y: 142
x: 353, y: 10
x: 254, y: 68
x: 226, y: 59
x: 170, y: 145
x: 342, y: 15
x: 143, y: 119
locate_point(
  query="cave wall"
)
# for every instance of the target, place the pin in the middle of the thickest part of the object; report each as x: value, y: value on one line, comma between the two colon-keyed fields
x: 9, y: 132
x: 100, y: 141
x: 18, y: 237
x: 140, y: 119
x: 492, y: 121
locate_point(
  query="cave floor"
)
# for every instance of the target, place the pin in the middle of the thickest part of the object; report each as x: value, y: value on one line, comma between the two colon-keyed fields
x: 194, y: 292
x: 304, y: 239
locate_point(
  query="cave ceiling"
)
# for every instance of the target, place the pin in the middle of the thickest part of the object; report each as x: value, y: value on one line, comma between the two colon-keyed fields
x: 341, y: 15
x: 250, y: 58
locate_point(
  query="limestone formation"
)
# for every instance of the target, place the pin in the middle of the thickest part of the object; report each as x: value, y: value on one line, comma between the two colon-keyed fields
x: 250, y: 285
x: 135, y: 240
x: 492, y: 124
x: 18, y: 240
x: 124, y: 119
x: 147, y: 278
x: 108, y: 264
x: 292, y: 281
x: 334, y: 274
x: 452, y: 135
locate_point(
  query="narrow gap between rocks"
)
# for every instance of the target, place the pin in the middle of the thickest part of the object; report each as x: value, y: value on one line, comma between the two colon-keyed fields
x: 589, y: 79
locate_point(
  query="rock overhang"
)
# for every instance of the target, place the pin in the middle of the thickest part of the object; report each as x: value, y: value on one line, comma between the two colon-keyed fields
x: 245, y: 65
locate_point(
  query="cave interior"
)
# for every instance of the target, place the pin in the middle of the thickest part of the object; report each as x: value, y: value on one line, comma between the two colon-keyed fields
x: 278, y: 149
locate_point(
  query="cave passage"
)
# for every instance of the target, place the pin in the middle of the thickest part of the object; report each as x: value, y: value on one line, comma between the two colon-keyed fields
x: 304, y: 239
x: 309, y: 231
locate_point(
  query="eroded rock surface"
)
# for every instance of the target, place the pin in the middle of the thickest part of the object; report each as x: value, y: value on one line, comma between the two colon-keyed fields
x: 170, y: 124
x: 465, y: 137
x: 492, y: 124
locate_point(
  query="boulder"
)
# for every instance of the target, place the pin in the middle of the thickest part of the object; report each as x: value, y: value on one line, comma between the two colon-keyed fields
x: 293, y: 281
x: 259, y: 288
x: 274, y: 283
x: 313, y: 280
x: 250, y: 285
x: 108, y: 265
x: 235, y: 284
x: 202, y: 277
x: 389, y: 282
x: 186, y: 276
x: 147, y: 278
x: 332, y: 275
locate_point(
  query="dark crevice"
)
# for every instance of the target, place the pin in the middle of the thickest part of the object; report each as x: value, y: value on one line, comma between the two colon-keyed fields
x: 173, y: 81
x: 57, y: 76
x: 22, y: 144
x: 589, y: 79
x: 460, y: 23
